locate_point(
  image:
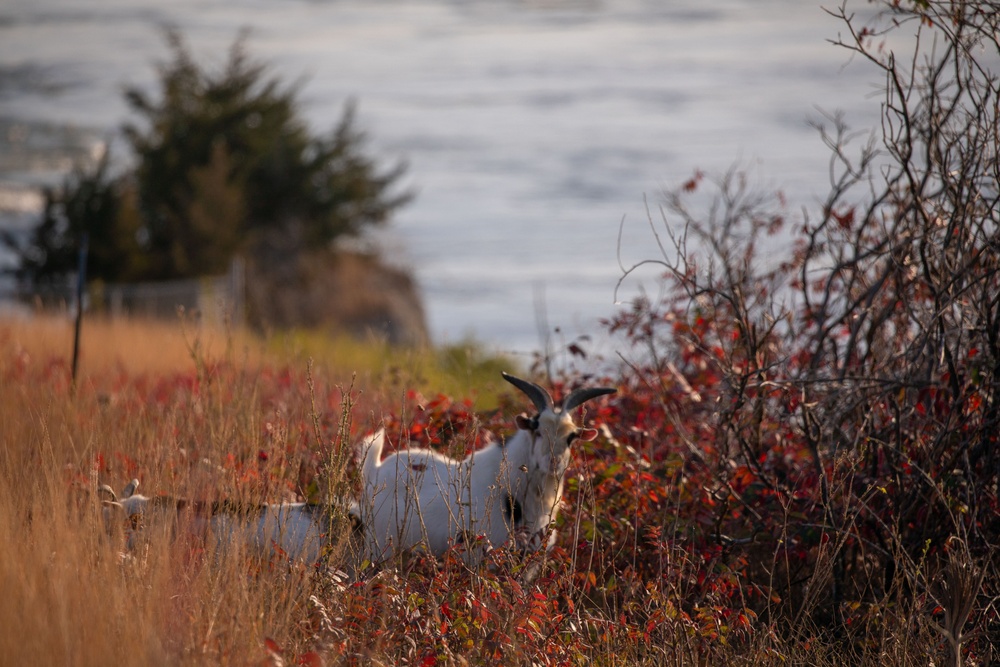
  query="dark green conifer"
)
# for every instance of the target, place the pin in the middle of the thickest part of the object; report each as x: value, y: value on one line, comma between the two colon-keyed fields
x: 223, y: 161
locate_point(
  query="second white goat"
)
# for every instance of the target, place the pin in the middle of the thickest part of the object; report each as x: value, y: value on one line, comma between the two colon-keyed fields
x: 507, y: 489
x: 296, y: 531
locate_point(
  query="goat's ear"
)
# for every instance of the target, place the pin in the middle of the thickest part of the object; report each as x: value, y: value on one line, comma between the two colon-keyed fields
x: 526, y: 423
x: 130, y: 489
x: 586, y: 434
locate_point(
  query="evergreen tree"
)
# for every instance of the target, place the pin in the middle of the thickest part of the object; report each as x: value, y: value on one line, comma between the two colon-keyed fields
x: 89, y: 202
x: 223, y: 161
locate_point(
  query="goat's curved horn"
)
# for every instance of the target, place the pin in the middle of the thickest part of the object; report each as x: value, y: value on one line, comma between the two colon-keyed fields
x: 106, y: 490
x: 581, y: 396
x: 538, y: 396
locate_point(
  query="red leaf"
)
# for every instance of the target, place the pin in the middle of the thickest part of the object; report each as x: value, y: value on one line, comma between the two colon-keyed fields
x: 310, y: 659
x: 272, y: 646
x: 692, y: 184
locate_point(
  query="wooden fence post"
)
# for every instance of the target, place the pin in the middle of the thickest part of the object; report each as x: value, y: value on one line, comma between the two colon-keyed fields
x: 81, y: 280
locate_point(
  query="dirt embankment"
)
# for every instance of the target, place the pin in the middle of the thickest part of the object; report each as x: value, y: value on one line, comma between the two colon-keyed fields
x: 344, y: 292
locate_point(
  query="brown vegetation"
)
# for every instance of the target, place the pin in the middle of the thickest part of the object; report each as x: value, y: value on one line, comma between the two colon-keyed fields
x: 339, y: 292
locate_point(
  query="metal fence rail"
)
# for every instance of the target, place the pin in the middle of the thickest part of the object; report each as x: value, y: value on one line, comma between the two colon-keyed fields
x: 214, y: 299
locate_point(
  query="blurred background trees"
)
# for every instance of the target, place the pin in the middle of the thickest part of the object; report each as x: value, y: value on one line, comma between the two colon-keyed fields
x: 223, y: 164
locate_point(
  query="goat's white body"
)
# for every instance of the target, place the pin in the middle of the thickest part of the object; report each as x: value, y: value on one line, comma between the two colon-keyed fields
x: 417, y: 496
x: 293, y: 530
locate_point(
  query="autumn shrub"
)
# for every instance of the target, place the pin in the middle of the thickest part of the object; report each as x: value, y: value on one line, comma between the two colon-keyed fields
x: 818, y: 397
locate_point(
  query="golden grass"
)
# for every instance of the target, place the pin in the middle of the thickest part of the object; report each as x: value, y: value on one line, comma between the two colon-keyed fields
x: 131, y: 346
x: 68, y: 597
x: 458, y: 370
x: 149, y: 347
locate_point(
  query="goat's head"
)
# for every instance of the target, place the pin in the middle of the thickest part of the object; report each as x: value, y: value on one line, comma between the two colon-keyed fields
x: 122, y: 512
x: 552, y: 431
x: 128, y: 511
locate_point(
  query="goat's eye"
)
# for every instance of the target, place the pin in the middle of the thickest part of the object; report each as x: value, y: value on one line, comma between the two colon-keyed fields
x: 571, y: 437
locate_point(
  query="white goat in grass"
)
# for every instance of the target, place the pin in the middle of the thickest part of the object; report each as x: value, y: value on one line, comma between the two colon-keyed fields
x: 295, y: 530
x: 504, y: 490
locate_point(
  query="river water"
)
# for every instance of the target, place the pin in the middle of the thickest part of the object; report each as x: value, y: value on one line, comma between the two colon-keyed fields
x: 532, y: 128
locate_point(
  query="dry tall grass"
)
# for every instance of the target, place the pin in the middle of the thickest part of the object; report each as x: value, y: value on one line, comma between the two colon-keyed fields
x: 128, y: 346
x: 148, y: 404
x: 191, y: 417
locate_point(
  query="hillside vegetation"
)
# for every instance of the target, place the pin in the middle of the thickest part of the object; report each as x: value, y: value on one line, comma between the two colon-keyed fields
x: 800, y: 466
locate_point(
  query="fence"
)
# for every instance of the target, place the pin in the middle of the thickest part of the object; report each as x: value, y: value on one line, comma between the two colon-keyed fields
x: 214, y: 300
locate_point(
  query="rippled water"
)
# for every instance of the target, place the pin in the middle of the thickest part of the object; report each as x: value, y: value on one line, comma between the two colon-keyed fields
x: 532, y: 129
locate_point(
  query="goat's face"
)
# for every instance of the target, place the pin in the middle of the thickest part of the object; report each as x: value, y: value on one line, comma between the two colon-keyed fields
x: 124, y: 512
x: 127, y: 513
x: 553, y: 431
x: 552, y: 434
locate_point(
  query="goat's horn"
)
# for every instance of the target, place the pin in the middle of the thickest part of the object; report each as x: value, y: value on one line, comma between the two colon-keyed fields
x: 105, y: 489
x: 581, y: 396
x: 538, y: 396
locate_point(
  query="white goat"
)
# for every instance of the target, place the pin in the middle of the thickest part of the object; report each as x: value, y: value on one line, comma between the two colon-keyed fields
x: 295, y: 530
x: 504, y: 490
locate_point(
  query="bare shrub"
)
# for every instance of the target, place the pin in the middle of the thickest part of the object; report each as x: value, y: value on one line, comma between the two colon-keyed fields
x: 851, y: 383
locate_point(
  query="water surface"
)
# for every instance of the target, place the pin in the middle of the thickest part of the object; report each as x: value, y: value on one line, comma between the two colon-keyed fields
x: 532, y: 129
